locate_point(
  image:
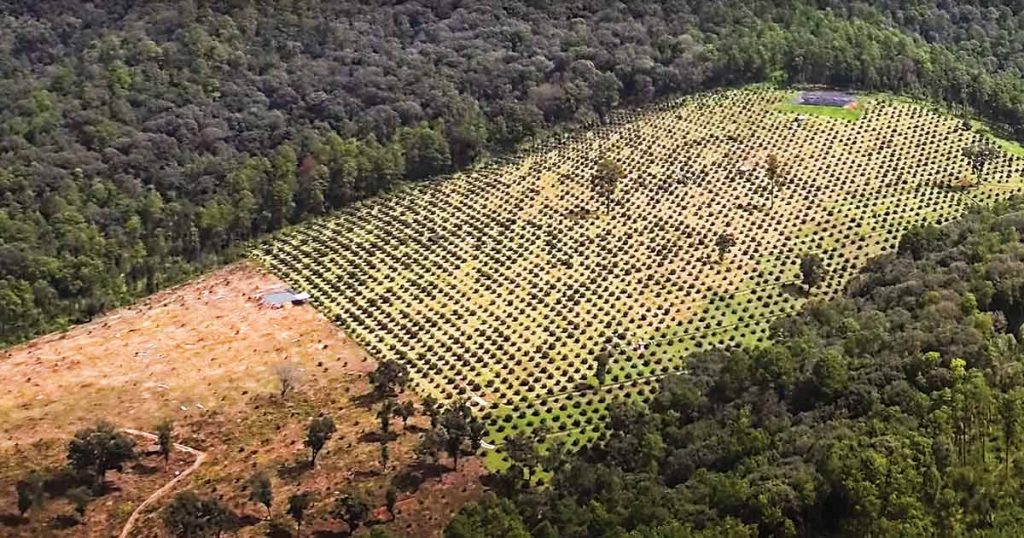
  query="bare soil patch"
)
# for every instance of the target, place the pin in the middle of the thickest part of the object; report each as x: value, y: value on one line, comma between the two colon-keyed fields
x: 202, y: 355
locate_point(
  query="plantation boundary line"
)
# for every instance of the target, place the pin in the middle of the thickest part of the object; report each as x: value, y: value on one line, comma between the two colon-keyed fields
x: 137, y: 513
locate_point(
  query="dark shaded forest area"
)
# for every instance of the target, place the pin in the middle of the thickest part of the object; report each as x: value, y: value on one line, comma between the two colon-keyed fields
x: 896, y: 410
x: 141, y: 142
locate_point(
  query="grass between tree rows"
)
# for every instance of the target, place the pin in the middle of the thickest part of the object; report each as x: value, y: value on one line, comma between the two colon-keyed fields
x: 504, y: 285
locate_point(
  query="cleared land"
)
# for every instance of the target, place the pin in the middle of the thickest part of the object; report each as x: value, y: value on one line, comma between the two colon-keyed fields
x: 503, y: 284
x: 201, y: 355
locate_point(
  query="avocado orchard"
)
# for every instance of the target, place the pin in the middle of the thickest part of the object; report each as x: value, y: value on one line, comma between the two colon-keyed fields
x: 504, y: 283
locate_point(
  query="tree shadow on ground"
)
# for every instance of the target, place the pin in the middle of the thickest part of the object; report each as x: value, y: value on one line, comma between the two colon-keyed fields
x: 368, y: 400
x: 104, y: 489
x: 377, y: 437
x: 10, y: 519
x: 359, y: 476
x: 794, y: 290
x: 344, y: 532
x: 294, y: 469
x: 751, y: 207
x: 412, y: 428
x: 144, y: 469
x: 241, y: 521
x: 64, y: 521
x: 412, y: 477
x: 492, y: 481
x: 583, y: 385
x: 326, y: 533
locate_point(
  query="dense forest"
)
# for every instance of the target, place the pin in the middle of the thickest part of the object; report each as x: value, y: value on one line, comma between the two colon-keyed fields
x: 896, y: 410
x: 141, y: 142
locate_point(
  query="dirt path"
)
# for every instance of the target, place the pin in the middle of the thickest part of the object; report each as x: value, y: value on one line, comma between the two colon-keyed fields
x: 200, y: 458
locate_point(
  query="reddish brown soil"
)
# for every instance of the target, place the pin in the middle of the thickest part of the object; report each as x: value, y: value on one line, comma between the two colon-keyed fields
x: 202, y: 355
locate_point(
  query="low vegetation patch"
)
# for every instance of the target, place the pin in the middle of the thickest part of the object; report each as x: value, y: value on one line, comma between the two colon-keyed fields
x: 839, y: 113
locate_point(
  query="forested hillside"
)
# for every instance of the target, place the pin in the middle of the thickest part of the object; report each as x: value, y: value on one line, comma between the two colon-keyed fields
x: 140, y: 141
x: 896, y: 410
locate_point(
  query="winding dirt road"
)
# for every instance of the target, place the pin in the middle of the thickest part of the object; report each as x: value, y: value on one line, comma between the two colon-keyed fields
x: 200, y: 458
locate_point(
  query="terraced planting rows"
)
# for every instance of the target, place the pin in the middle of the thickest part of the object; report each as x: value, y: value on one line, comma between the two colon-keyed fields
x: 504, y: 283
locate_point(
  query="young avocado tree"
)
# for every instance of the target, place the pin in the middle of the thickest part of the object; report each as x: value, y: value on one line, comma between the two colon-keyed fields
x: 319, y: 432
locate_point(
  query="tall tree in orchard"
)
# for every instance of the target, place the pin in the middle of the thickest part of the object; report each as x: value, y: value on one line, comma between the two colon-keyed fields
x: 606, y: 180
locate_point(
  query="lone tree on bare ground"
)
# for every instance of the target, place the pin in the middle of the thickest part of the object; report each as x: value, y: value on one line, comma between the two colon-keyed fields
x: 289, y: 377
x: 165, y: 439
x: 432, y: 408
x: 99, y: 449
x: 388, y: 409
x: 297, y: 505
x: 320, y: 431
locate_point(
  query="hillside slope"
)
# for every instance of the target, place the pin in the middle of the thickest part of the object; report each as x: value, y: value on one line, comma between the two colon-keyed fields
x: 894, y: 410
x: 144, y: 141
x: 509, y: 285
x: 203, y: 355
